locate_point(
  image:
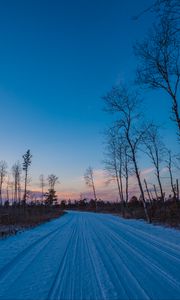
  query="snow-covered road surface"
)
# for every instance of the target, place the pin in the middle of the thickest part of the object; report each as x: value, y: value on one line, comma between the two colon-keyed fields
x: 91, y: 256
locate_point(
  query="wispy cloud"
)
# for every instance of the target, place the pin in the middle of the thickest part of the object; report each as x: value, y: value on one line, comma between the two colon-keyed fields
x: 147, y: 171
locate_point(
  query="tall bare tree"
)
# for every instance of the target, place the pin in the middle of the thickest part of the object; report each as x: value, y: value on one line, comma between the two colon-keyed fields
x: 89, y: 180
x: 159, y: 56
x: 122, y: 101
x: 113, y: 162
x: 7, y: 187
x: 19, y: 190
x: 16, y: 172
x: 42, y: 185
x: 27, y: 159
x: 117, y: 162
x: 3, y: 173
x: 169, y: 162
x: 155, y: 149
x: 127, y: 170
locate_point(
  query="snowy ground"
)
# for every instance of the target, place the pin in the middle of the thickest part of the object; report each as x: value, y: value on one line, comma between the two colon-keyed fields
x: 91, y: 256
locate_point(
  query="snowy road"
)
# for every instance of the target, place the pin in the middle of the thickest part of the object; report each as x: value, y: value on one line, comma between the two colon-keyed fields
x: 91, y: 256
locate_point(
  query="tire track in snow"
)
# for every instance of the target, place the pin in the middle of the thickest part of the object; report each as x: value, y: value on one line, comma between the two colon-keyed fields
x: 97, y: 257
x: 172, y: 247
x: 151, y: 247
x: 54, y: 290
x: 96, y: 276
x: 41, y: 242
x: 119, y: 268
x: 65, y: 286
x: 147, y: 263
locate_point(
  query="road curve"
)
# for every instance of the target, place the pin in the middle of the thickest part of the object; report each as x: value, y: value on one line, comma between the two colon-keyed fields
x: 91, y: 256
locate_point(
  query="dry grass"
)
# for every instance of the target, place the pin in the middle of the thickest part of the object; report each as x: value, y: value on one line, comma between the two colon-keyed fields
x: 14, y: 219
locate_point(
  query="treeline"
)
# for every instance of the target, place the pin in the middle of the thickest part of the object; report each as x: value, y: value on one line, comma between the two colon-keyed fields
x: 14, y: 185
x: 168, y: 214
x: 19, y: 207
x: 131, y: 136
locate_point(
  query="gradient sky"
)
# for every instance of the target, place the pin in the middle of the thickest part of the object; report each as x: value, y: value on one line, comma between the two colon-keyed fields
x: 57, y: 58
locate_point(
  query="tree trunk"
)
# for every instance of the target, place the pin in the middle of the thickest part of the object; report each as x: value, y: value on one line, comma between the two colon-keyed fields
x: 19, y: 191
x: 172, y: 185
x: 126, y: 177
x: 160, y: 185
x: 176, y: 113
x: 127, y: 189
x: 1, y: 192
x: 118, y: 185
x: 148, y: 218
x: 141, y: 189
x: 25, y: 187
x: 95, y: 197
x: 147, y: 190
x: 177, y: 187
x: 155, y: 191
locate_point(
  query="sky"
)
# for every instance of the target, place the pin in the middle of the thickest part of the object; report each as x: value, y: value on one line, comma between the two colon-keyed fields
x: 57, y: 60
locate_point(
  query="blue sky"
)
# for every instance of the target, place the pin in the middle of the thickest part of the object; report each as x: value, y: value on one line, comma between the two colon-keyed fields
x: 57, y: 58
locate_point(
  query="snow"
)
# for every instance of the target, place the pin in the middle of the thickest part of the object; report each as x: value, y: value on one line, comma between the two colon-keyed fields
x: 91, y: 256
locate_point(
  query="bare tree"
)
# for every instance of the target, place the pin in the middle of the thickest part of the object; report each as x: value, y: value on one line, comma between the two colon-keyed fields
x: 113, y: 162
x: 7, y: 187
x: 3, y: 173
x: 147, y: 191
x: 161, y: 8
x: 52, y: 180
x: 27, y: 157
x: 19, y: 190
x: 125, y: 103
x: 127, y: 170
x: 51, y: 196
x: 155, y: 149
x: 120, y: 160
x: 42, y: 185
x: 16, y: 172
x: 11, y: 188
x: 169, y: 166
x: 117, y: 161
x: 170, y: 8
x: 159, y: 56
x: 89, y: 179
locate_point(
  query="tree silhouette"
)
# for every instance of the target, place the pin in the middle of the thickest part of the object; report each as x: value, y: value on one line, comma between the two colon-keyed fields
x: 3, y: 172
x: 42, y: 185
x: 155, y: 149
x: 125, y: 103
x: 52, y: 180
x: 16, y: 172
x: 50, y: 196
x: 26, y: 164
x: 159, y: 55
x: 117, y: 162
x: 89, y: 180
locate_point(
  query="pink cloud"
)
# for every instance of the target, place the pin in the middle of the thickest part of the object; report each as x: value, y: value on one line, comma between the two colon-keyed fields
x: 76, y: 186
